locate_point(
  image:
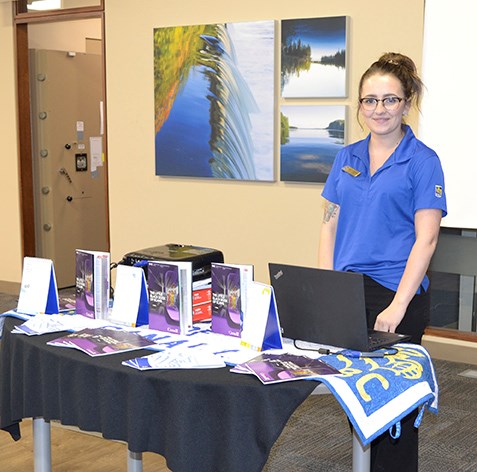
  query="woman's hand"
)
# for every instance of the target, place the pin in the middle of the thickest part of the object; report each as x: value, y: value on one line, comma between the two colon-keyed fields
x: 389, y: 318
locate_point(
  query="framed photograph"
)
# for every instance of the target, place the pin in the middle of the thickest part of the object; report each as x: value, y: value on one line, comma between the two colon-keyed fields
x: 214, y: 100
x: 313, y: 57
x: 310, y: 138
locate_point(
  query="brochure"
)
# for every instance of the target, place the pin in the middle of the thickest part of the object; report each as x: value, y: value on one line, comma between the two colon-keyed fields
x: 202, y: 303
x: 67, y: 304
x: 230, y: 283
x: 102, y: 341
x: 170, y: 296
x: 92, y: 283
x: 275, y: 368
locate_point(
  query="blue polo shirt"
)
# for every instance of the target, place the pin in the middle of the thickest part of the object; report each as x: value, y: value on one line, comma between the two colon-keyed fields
x: 375, y: 230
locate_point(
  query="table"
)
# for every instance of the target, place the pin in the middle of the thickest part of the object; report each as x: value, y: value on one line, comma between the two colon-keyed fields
x: 199, y: 420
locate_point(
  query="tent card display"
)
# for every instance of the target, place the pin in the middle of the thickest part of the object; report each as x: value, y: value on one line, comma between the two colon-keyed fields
x: 230, y: 283
x: 170, y: 296
x: 130, y: 305
x: 92, y: 283
x: 38, y: 292
x: 261, y: 327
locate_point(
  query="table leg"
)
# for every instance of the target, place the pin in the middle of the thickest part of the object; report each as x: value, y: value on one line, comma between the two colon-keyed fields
x: 41, y: 445
x: 361, y: 455
x: 134, y: 461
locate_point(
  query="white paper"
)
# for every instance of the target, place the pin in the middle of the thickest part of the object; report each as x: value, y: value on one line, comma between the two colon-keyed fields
x: 42, y: 324
x: 101, y: 117
x: 184, y: 359
x: 96, y: 150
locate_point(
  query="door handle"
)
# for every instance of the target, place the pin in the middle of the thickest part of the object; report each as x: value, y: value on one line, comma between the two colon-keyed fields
x: 64, y: 172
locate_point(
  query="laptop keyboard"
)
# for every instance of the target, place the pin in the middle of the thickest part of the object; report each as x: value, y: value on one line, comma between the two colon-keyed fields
x: 376, y: 339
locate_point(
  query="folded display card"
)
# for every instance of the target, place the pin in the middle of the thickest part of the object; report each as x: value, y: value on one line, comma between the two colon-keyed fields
x: 38, y: 292
x: 261, y: 328
x: 130, y: 305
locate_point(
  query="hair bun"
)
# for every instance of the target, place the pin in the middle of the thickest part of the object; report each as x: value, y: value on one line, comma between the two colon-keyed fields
x: 398, y: 59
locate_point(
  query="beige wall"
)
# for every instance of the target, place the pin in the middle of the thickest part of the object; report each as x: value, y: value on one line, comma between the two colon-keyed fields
x: 10, y: 233
x: 267, y: 221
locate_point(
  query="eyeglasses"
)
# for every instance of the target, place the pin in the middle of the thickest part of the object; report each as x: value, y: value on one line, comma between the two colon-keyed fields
x: 390, y: 103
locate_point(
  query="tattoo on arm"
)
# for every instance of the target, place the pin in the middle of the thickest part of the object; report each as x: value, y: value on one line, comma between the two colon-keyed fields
x: 330, y: 211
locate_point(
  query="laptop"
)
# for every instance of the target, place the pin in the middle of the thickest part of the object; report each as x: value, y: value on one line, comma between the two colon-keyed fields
x: 325, y: 307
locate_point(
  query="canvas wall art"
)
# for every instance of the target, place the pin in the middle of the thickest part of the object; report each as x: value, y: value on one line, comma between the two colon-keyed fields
x: 310, y: 138
x: 313, y: 57
x: 214, y: 100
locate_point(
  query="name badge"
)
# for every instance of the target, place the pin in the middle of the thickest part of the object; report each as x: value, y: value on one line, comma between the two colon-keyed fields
x: 349, y: 170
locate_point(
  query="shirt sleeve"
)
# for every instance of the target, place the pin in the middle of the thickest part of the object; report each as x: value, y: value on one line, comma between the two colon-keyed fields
x: 428, y: 182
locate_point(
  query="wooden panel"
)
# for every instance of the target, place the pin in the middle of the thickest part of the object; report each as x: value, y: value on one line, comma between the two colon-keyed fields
x: 25, y: 162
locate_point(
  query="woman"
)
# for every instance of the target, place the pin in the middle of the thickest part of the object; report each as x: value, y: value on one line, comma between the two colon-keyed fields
x: 384, y: 200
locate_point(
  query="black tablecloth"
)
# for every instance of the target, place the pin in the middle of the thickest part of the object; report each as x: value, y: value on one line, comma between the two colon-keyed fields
x: 199, y: 420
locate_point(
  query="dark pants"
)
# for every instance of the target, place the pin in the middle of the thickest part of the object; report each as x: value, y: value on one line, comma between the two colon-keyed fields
x: 388, y: 454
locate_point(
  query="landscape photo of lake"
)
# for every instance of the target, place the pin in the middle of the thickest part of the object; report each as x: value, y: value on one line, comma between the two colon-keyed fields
x: 310, y: 138
x: 313, y: 57
x: 214, y: 100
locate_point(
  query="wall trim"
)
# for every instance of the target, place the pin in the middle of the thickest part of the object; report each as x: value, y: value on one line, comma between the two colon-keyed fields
x: 449, y: 349
x: 12, y: 288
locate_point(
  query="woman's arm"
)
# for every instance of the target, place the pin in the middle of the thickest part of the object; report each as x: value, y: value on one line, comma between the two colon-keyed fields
x: 328, y: 235
x: 427, y: 223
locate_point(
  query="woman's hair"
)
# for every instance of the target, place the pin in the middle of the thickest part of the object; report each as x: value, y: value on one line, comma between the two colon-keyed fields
x: 401, y: 67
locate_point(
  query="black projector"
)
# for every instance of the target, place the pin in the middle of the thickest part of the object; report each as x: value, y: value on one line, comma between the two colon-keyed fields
x: 201, y: 257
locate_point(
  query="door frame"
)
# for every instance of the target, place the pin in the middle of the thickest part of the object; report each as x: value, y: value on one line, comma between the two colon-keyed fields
x: 25, y: 161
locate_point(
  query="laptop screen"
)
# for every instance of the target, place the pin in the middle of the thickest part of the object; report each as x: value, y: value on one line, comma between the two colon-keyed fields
x: 320, y: 306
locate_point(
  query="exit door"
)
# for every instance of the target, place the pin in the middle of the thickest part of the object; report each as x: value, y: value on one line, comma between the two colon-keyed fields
x: 70, y: 179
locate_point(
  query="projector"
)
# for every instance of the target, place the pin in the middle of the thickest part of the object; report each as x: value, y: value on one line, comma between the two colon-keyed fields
x: 201, y: 257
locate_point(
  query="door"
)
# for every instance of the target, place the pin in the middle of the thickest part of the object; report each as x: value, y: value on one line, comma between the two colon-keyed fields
x: 68, y: 162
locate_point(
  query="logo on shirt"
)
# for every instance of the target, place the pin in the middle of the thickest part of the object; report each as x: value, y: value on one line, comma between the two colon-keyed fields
x: 438, y: 191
